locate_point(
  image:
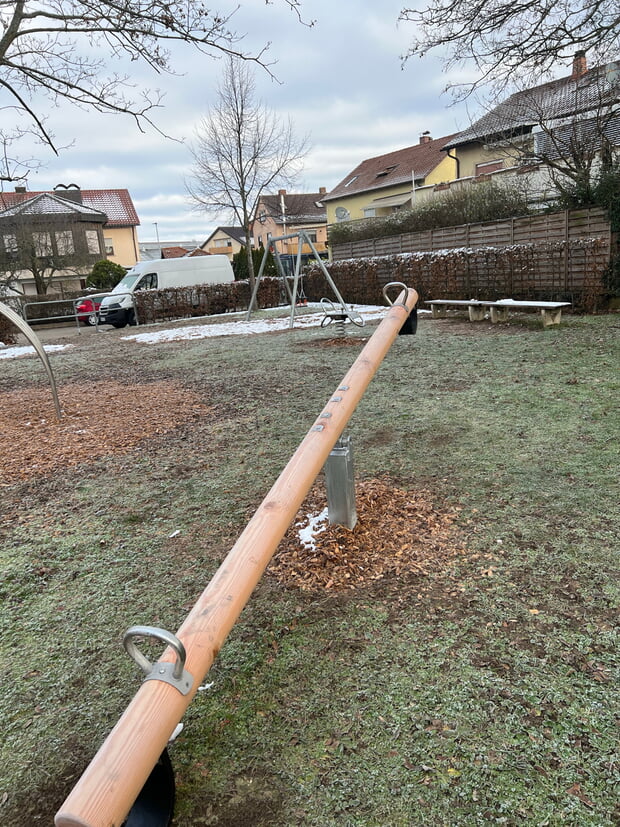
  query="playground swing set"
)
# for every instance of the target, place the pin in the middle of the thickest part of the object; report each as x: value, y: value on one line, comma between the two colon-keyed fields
x: 337, y: 311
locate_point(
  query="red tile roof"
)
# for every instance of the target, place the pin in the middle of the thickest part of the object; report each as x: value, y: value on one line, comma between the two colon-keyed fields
x: 173, y: 252
x: 393, y: 168
x: 116, y: 204
x: 198, y: 252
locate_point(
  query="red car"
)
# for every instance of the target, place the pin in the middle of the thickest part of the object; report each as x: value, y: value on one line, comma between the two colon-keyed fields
x: 87, y: 310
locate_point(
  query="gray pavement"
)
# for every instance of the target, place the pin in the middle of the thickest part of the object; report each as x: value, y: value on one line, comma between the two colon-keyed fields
x: 57, y: 334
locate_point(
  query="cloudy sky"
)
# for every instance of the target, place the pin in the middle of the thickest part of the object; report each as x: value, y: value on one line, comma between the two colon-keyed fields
x: 340, y: 81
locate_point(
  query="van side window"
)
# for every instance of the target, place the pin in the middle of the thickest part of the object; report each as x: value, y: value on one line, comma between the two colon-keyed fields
x: 147, y: 282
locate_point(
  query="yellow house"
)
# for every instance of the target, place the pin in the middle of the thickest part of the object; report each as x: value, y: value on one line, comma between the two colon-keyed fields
x: 381, y: 185
x: 556, y: 123
x: 121, y: 229
x: 224, y: 241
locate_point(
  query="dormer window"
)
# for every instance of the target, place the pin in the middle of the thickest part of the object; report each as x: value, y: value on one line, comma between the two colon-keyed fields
x: 386, y: 171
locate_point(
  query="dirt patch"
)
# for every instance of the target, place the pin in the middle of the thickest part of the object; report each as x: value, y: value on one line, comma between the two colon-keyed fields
x: 338, y: 341
x: 397, y: 532
x: 462, y: 327
x: 98, y: 419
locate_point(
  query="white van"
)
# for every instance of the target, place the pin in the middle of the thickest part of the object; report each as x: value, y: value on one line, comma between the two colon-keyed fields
x: 117, y: 308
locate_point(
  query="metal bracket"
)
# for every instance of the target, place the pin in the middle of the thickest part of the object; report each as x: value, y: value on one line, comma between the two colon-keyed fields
x: 172, y: 673
x: 340, y: 484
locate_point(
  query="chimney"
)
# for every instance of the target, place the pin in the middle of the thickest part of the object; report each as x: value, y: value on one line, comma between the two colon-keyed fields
x: 322, y: 190
x: 425, y: 138
x: 580, y: 65
x: 20, y: 189
x: 71, y: 192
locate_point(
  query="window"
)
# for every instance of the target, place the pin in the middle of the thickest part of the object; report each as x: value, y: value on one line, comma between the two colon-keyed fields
x: 387, y: 171
x: 10, y: 243
x: 262, y: 216
x: 109, y: 246
x: 42, y: 244
x: 147, y: 282
x: 369, y: 212
x: 92, y: 242
x: 64, y: 243
x: 311, y: 235
x: 221, y: 242
x: 351, y: 180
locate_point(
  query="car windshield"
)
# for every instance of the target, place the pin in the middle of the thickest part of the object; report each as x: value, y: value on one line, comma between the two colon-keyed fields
x: 126, y: 283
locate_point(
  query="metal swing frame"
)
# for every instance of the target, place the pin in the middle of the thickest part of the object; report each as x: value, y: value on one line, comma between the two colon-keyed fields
x: 302, y: 238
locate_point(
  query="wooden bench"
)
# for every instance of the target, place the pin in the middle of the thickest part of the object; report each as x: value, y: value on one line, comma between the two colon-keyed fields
x: 551, y: 312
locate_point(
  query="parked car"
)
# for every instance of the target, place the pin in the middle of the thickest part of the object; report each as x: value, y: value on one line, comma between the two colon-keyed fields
x: 88, y: 309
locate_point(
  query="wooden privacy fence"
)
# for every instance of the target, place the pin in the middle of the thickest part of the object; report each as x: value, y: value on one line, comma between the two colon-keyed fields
x: 111, y: 783
x: 562, y: 255
x: 565, y: 226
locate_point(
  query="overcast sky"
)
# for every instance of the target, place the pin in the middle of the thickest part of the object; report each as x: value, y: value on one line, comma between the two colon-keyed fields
x: 341, y: 82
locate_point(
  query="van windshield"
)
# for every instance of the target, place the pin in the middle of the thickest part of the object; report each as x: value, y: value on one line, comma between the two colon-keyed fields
x: 126, y: 283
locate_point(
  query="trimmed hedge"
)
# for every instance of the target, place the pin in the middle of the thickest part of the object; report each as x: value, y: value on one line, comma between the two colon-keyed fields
x: 205, y: 300
x: 481, y: 201
x: 524, y: 271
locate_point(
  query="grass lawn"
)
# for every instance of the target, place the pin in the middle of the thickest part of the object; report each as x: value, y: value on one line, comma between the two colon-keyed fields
x: 482, y: 691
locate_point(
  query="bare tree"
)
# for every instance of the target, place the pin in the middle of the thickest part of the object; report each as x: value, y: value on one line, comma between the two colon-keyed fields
x: 51, y: 47
x: 242, y: 149
x: 504, y: 39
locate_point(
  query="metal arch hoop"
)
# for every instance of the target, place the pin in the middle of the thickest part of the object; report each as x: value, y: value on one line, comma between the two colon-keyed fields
x: 35, y: 342
x: 400, y: 286
x: 172, y: 673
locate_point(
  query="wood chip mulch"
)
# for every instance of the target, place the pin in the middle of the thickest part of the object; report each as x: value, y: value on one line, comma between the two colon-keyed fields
x: 98, y: 419
x: 397, y: 532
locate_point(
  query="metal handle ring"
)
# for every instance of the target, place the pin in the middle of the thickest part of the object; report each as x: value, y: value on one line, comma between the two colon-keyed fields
x: 159, y: 634
x: 393, y: 284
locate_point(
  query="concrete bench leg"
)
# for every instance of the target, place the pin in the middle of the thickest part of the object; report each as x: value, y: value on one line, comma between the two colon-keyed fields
x: 476, y: 314
x: 499, y: 314
x: 550, y: 317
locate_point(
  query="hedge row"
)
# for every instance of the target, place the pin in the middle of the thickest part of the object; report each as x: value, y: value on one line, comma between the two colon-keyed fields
x: 204, y: 300
x: 525, y: 271
x: 483, y: 200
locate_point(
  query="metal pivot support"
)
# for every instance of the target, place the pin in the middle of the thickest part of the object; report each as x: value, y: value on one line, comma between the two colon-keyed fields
x: 340, y: 482
x: 172, y: 673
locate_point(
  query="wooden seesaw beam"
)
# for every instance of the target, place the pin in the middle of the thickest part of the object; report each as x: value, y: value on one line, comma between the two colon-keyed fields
x: 113, y: 780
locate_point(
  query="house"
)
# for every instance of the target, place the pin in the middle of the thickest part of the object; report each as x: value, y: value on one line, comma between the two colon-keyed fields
x: 287, y: 213
x: 49, y: 241
x: 385, y: 183
x: 154, y: 250
x: 120, y: 229
x: 225, y: 241
x: 538, y: 128
x: 182, y: 252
